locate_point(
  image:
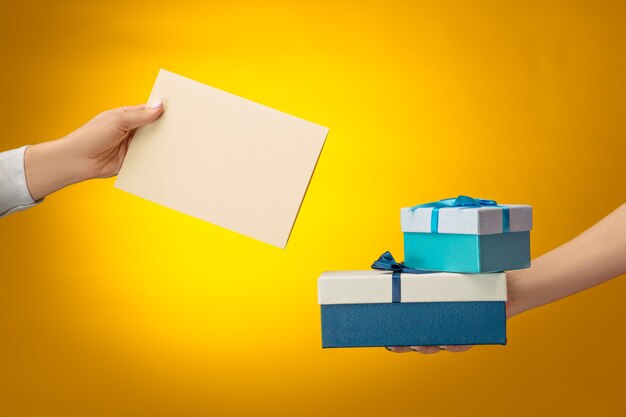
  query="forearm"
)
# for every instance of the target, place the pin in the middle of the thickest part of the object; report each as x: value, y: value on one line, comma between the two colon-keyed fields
x: 50, y: 166
x: 593, y: 257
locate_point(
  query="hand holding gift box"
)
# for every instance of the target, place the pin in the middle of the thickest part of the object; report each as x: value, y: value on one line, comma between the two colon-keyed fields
x: 593, y: 257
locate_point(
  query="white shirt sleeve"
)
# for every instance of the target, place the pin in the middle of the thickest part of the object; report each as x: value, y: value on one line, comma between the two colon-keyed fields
x: 14, y: 194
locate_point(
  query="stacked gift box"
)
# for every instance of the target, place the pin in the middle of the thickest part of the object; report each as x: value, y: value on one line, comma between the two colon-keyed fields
x: 451, y: 288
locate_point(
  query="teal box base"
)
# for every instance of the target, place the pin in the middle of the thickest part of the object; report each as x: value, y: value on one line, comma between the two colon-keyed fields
x: 467, y: 253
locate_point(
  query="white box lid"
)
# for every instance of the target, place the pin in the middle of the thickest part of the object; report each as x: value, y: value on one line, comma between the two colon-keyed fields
x: 375, y: 286
x: 467, y: 220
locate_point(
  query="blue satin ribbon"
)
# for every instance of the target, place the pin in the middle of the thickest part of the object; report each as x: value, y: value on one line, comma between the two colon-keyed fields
x: 387, y: 263
x: 467, y: 202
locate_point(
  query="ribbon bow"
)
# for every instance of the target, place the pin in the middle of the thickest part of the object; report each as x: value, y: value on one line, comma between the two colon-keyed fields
x: 386, y: 262
x: 462, y: 201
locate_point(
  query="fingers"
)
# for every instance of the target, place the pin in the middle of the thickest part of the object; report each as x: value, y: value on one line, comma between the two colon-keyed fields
x: 457, y: 348
x: 132, y: 117
x: 399, y: 349
x: 420, y: 349
x: 428, y: 350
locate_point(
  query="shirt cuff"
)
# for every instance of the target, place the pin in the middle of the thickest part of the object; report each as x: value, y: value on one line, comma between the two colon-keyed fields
x: 14, y: 194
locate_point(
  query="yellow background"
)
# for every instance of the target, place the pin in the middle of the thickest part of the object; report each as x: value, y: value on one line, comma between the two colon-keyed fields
x: 114, y: 306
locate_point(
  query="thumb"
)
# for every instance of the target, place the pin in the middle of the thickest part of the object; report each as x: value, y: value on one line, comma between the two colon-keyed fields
x: 135, y: 116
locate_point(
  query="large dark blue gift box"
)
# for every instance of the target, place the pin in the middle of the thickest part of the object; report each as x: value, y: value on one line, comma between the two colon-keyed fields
x: 370, y: 308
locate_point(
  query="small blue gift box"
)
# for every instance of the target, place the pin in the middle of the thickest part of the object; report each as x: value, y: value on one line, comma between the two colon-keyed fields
x: 403, y: 307
x: 467, y: 235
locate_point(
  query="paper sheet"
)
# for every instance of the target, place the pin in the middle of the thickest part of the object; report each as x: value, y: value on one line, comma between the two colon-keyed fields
x: 223, y: 159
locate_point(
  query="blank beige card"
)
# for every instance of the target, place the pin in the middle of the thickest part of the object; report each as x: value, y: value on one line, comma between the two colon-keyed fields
x: 223, y: 159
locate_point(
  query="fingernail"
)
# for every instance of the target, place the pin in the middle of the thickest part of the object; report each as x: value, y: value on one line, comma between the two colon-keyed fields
x: 388, y: 348
x: 157, y: 104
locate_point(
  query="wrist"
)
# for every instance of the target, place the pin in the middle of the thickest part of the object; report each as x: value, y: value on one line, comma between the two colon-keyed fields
x: 517, y: 297
x: 50, y: 166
